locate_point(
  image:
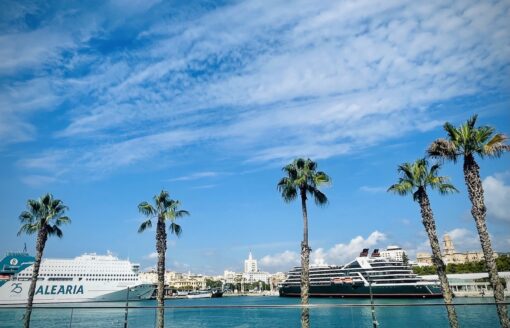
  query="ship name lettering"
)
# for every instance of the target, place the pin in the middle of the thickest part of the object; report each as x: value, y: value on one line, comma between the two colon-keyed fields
x: 59, y: 290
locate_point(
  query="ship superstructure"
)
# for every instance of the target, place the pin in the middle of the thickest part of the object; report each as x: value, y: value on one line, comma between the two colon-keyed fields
x: 86, y: 278
x: 365, y: 275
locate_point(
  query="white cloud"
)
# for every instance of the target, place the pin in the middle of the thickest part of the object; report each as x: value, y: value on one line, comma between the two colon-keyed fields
x: 337, y: 255
x: 280, y: 262
x: 153, y: 255
x: 497, y: 197
x: 343, y: 253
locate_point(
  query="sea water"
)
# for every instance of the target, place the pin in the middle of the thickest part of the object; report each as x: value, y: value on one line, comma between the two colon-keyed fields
x: 266, y: 312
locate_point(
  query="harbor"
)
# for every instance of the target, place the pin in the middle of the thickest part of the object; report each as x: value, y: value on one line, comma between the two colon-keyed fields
x: 258, y: 312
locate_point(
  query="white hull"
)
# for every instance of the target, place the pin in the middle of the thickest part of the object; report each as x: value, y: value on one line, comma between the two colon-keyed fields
x: 201, y: 295
x: 16, y: 292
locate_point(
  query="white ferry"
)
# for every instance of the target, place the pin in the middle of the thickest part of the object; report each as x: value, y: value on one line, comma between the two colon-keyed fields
x: 86, y: 278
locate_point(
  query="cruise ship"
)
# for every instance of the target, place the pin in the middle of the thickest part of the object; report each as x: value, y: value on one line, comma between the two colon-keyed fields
x: 86, y: 278
x: 365, y: 275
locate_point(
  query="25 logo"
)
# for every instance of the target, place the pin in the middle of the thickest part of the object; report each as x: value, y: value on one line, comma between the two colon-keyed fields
x: 16, y: 288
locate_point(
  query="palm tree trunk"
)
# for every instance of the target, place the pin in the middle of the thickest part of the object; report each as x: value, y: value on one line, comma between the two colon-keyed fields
x: 42, y: 237
x: 478, y: 210
x: 161, y: 249
x: 430, y: 228
x: 305, y: 265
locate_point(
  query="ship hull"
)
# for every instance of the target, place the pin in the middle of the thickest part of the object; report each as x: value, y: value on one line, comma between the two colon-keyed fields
x: 16, y: 292
x: 346, y: 291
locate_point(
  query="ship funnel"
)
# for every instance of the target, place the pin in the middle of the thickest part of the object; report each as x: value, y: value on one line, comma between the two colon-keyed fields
x: 375, y: 253
x: 364, y: 253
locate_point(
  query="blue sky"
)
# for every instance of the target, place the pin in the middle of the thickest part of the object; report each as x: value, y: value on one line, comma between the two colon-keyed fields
x: 106, y: 103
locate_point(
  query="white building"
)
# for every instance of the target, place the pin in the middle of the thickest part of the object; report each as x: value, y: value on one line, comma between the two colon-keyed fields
x: 229, y: 277
x: 393, y: 252
x: 256, y: 276
x: 251, y: 272
x: 250, y: 265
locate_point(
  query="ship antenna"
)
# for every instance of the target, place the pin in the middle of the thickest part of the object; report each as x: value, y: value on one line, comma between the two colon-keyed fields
x: 25, y: 248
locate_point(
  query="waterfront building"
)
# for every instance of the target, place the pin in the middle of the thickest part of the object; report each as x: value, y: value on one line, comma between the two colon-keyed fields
x: 394, y: 253
x: 276, y: 279
x: 473, y: 284
x: 450, y: 255
x: 250, y: 264
x: 251, y: 272
x: 189, y: 281
x: 176, y: 279
x: 229, y: 277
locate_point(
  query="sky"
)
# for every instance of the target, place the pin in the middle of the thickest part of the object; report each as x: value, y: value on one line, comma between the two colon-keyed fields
x: 106, y: 103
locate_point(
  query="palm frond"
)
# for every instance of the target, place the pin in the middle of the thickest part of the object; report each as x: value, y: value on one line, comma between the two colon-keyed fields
x: 404, y: 187
x: 145, y: 225
x: 181, y: 213
x: 472, y: 121
x: 26, y: 217
x: 54, y: 231
x: 175, y: 229
x: 443, y: 149
x: 407, y: 171
x: 496, y: 146
x: 28, y: 229
x: 146, y: 209
x: 62, y: 220
x: 321, y: 178
x: 288, y: 190
x: 447, y: 188
x: 318, y: 196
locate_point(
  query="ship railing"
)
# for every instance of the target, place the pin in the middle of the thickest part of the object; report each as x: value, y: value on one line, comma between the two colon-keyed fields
x: 389, y: 313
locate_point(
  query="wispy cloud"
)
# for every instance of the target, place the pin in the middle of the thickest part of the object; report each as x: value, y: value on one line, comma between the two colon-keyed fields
x: 267, y: 84
x: 196, y: 176
x: 371, y: 189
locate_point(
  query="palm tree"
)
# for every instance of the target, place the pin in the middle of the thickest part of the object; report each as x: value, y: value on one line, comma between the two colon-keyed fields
x: 302, y: 178
x: 164, y: 209
x: 415, y: 178
x: 44, y: 217
x: 467, y: 141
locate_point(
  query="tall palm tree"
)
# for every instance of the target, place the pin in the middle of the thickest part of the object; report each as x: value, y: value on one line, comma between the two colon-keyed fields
x: 302, y: 179
x: 164, y: 209
x: 415, y: 178
x: 467, y: 141
x: 43, y: 216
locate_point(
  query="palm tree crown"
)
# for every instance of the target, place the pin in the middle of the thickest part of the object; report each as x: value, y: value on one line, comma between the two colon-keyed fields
x: 165, y: 209
x: 302, y: 177
x: 46, y: 213
x: 415, y: 177
x: 469, y: 140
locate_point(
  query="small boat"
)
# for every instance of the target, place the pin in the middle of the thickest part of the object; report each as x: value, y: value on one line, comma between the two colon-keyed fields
x: 217, y: 293
x: 200, y: 294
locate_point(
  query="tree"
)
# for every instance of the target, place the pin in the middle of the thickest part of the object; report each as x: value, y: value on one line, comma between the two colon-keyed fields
x: 405, y: 259
x: 467, y: 141
x: 415, y: 178
x: 302, y: 179
x: 44, y: 216
x: 164, y: 209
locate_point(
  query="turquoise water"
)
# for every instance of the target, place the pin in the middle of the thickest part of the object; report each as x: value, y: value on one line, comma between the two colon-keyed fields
x: 208, y: 316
